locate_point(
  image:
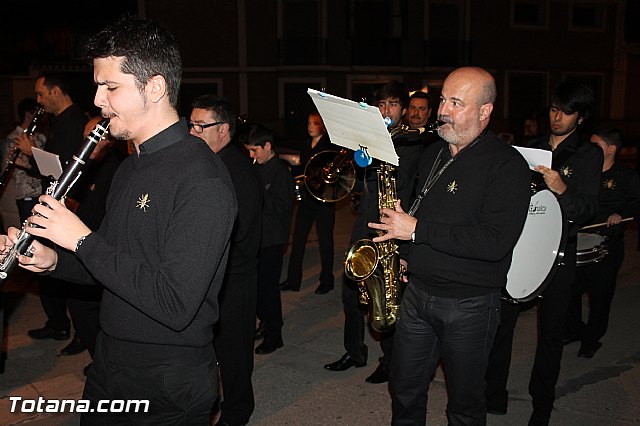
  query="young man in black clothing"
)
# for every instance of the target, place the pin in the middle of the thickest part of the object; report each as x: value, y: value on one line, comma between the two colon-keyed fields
x: 619, y: 198
x: 392, y: 99
x: 212, y: 119
x: 476, y: 194
x: 162, y: 248
x: 574, y: 179
x: 279, y: 195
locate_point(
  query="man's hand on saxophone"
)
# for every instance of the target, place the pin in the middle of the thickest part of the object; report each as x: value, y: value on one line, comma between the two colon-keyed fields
x: 396, y: 224
x: 57, y: 223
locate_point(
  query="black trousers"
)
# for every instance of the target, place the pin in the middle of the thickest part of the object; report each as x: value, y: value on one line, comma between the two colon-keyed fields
x: 53, y: 296
x: 599, y: 281
x: 324, y: 216
x: 181, y: 387
x: 355, y: 326
x: 234, y: 337
x: 460, y: 331
x: 269, y: 307
x: 84, y: 308
x: 552, y: 311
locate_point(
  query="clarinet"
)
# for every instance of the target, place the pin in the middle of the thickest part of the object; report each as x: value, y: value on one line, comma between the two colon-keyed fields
x: 11, y: 160
x: 58, y: 190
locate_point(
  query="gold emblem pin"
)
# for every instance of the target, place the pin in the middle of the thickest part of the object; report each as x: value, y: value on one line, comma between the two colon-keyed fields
x: 566, y: 171
x: 143, y: 202
x: 609, y: 184
x: 452, y: 187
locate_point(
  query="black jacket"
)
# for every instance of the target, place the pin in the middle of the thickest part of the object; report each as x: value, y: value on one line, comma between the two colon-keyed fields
x: 580, y: 166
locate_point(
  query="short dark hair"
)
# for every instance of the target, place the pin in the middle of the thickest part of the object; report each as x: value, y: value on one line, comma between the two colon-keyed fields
x: 611, y: 136
x: 221, y: 108
x: 571, y: 96
x: 26, y: 105
x: 259, y: 135
x: 51, y: 80
x: 391, y: 89
x: 148, y: 50
x: 419, y: 94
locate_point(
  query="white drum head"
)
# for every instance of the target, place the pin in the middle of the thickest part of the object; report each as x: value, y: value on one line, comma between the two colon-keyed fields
x: 538, y: 250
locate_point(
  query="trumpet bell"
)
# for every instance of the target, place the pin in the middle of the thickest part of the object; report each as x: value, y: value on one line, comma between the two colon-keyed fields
x: 362, y: 260
x: 329, y: 176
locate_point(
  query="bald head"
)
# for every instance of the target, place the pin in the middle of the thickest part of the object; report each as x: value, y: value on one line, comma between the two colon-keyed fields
x: 483, y: 82
x: 466, y: 103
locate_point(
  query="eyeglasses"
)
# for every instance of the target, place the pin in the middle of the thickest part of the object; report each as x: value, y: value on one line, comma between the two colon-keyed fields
x: 199, y: 128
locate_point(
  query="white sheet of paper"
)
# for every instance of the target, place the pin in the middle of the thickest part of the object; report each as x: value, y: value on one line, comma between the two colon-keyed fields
x: 535, y: 156
x: 48, y: 163
x: 355, y: 126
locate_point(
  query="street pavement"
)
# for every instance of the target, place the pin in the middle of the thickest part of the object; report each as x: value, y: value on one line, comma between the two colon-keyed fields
x: 292, y: 388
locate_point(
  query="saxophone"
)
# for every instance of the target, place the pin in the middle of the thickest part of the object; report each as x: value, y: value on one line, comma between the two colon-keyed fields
x: 376, y: 266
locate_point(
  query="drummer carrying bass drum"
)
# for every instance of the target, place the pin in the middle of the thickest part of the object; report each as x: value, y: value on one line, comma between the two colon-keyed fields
x: 574, y: 179
x: 619, y: 199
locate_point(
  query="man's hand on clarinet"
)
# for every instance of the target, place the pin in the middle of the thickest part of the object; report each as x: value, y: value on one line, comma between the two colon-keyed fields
x: 43, y: 259
x: 58, y: 224
x: 396, y: 223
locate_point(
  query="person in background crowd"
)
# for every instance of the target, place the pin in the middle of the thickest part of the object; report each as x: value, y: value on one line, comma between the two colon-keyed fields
x: 28, y: 181
x: 619, y: 198
x: 279, y: 195
x: 312, y: 211
x: 64, y: 139
x: 212, y: 119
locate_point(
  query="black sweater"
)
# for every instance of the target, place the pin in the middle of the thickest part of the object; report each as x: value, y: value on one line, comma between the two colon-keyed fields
x: 470, y: 220
x: 278, y: 201
x: 162, y: 248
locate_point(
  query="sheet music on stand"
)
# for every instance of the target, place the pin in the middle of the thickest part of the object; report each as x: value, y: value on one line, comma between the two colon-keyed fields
x: 355, y: 125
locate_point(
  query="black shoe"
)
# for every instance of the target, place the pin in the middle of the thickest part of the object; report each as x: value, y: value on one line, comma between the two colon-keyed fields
x: 379, y: 375
x: 286, y: 287
x: 496, y: 411
x: 323, y: 289
x: 589, y: 350
x: 48, y: 333
x: 85, y: 370
x: 344, y: 363
x: 267, y: 346
x: 74, y: 348
x: 259, y: 333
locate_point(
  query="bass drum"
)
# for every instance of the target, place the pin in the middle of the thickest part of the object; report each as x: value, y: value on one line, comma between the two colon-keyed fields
x: 539, y: 250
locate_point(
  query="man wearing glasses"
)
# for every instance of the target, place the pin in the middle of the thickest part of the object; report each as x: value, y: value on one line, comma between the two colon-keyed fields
x: 212, y: 120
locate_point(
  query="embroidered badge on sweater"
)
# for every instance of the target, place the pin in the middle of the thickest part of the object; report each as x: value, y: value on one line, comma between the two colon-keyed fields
x: 143, y: 202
